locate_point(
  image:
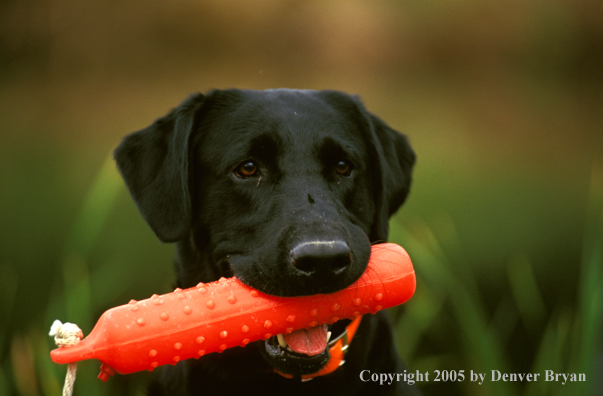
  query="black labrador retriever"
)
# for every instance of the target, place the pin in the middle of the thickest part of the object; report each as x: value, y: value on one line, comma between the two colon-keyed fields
x: 286, y: 190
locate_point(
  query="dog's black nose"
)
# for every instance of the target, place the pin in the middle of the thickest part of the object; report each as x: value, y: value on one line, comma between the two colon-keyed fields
x: 321, y: 257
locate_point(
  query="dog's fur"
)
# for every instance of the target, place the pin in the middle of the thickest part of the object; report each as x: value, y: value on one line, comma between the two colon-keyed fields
x: 324, y: 178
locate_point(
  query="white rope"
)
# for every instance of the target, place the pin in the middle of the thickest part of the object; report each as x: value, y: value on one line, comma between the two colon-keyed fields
x: 67, y: 334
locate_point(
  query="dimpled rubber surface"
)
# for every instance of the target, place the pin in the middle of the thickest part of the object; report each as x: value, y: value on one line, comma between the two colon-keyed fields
x: 185, y: 324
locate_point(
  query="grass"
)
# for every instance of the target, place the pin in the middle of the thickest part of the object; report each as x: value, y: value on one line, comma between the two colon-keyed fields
x: 449, y: 305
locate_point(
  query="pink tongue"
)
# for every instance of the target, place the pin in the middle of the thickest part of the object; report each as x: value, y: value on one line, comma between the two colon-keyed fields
x: 310, y: 342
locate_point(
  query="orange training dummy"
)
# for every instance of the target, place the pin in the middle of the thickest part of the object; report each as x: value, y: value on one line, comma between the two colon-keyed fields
x: 212, y: 317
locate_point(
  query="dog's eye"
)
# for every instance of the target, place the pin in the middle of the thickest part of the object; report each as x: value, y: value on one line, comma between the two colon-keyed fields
x: 344, y: 168
x: 246, y: 169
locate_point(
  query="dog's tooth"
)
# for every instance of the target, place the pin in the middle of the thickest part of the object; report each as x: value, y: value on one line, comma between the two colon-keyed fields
x: 328, y: 336
x: 281, y: 341
x: 289, y: 349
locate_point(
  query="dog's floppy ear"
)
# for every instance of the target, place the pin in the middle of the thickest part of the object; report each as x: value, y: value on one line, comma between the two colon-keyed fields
x: 154, y: 163
x: 393, y: 160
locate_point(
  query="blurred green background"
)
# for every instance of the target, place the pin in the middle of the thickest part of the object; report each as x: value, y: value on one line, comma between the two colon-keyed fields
x: 502, y: 101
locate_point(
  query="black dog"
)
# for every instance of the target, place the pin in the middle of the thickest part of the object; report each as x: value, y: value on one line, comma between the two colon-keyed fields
x: 286, y: 190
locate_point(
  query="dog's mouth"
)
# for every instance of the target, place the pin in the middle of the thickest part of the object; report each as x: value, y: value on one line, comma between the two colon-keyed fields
x: 300, y: 352
x: 304, y: 351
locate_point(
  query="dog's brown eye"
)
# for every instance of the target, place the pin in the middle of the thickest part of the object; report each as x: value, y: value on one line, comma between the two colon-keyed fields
x: 246, y: 169
x: 343, y: 168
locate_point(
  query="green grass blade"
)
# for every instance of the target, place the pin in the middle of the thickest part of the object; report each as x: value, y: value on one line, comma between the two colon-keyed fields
x: 95, y: 209
x: 590, y: 313
x: 551, y: 356
x: 417, y: 318
x: 526, y: 293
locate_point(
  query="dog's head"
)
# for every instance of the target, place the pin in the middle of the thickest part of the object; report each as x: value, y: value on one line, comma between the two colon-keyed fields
x: 284, y: 189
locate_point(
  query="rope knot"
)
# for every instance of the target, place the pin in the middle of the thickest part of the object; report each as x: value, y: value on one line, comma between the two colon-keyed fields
x: 65, y: 334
